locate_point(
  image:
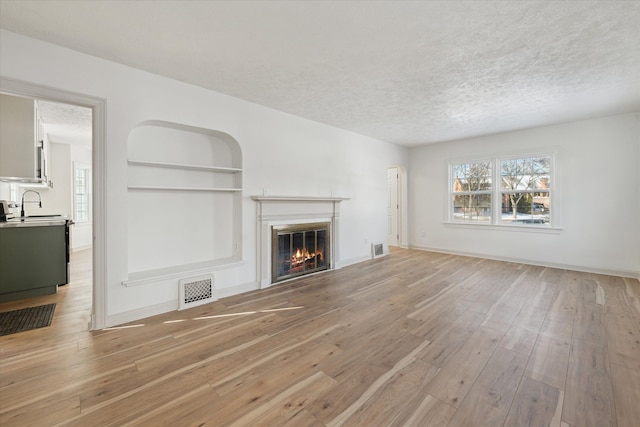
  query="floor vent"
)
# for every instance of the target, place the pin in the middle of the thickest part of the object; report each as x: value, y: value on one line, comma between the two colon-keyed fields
x: 196, y: 291
x: 377, y: 250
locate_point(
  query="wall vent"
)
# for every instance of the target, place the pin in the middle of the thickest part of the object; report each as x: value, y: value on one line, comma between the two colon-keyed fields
x: 196, y: 291
x: 377, y: 250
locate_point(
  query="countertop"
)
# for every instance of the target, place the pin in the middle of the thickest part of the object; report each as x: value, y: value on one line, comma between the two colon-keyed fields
x: 35, y: 221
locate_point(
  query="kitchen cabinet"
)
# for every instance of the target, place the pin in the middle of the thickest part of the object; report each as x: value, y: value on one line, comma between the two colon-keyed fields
x: 34, y: 258
x: 17, y: 137
x: 22, y: 142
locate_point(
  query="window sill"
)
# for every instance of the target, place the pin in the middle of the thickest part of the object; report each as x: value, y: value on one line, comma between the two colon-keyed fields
x: 516, y: 228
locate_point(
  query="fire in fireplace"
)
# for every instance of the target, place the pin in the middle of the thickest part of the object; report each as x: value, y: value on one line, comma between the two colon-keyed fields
x: 299, y: 249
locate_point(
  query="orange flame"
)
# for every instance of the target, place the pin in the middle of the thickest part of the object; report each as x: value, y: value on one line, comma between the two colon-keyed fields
x: 302, y: 255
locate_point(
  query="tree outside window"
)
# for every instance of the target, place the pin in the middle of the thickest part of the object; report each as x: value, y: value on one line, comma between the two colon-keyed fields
x: 525, y: 186
x: 520, y: 196
x: 472, y: 192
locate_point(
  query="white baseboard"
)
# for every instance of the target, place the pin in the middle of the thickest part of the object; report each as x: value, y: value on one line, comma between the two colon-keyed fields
x: 586, y: 269
x: 345, y: 263
x: 236, y: 289
x: 139, y: 314
x: 166, y: 307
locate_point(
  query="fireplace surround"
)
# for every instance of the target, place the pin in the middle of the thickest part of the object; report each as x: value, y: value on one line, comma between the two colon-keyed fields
x: 279, y: 212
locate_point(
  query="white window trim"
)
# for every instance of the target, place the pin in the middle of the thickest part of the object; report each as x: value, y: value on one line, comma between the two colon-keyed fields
x: 496, y: 199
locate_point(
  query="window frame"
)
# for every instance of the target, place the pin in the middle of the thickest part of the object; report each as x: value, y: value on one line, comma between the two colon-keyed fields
x: 87, y: 187
x: 497, y: 192
x: 453, y: 193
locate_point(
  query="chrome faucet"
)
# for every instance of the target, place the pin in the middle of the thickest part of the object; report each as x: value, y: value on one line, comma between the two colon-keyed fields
x: 23, y: 202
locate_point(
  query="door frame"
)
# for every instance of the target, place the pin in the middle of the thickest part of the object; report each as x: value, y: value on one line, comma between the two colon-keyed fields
x: 394, y: 212
x: 98, y: 107
x: 402, y: 206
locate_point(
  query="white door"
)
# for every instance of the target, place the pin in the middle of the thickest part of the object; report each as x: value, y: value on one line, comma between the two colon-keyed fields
x: 392, y: 208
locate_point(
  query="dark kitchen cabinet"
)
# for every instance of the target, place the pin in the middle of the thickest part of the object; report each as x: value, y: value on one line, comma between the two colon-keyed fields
x: 33, y: 260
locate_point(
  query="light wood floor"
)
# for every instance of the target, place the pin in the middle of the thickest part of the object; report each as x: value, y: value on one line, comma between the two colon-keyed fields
x: 414, y: 338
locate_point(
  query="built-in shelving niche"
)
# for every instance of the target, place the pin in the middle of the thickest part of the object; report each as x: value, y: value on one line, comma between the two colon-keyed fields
x: 184, y: 201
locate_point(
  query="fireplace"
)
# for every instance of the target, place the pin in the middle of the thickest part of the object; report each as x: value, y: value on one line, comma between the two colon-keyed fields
x: 300, y: 249
x: 280, y: 212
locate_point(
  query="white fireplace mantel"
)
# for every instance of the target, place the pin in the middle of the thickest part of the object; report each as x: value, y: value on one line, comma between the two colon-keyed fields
x: 281, y: 210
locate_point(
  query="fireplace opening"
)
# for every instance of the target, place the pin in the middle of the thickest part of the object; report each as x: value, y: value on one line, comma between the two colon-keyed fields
x: 299, y: 249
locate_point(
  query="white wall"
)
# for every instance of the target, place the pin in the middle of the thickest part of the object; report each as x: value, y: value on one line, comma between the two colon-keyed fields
x: 287, y: 154
x: 5, y: 191
x: 597, y: 184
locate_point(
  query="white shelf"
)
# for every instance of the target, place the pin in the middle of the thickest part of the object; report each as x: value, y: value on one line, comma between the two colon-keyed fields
x: 183, y: 166
x: 179, y: 271
x: 163, y: 188
x: 298, y: 199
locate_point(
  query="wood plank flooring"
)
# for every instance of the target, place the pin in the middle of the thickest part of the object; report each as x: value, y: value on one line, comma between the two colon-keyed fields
x: 411, y: 339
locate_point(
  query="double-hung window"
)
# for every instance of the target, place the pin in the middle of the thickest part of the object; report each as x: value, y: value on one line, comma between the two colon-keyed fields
x: 502, y: 191
x: 472, y: 192
x: 525, y: 183
x: 82, y: 186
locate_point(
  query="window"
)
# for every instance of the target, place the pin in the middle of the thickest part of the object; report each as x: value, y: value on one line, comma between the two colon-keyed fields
x: 524, y: 191
x: 13, y: 191
x: 472, y: 192
x: 82, y: 187
x: 502, y: 191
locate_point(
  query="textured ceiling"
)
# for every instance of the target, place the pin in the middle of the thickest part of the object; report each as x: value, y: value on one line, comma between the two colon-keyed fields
x: 405, y: 72
x: 66, y: 124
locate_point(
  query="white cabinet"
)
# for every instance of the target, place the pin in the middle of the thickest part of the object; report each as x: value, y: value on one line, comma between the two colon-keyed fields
x: 17, y: 137
x: 23, y: 149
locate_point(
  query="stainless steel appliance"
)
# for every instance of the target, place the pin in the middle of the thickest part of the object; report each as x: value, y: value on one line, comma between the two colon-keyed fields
x: 4, y: 210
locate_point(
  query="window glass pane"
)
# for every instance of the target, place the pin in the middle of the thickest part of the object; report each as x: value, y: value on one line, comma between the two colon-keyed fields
x: 81, y: 207
x: 472, y: 177
x: 81, y: 194
x: 526, y: 173
x: 472, y: 208
x: 525, y: 208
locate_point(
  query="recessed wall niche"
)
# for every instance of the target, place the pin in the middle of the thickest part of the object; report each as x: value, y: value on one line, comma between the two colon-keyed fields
x: 184, y: 200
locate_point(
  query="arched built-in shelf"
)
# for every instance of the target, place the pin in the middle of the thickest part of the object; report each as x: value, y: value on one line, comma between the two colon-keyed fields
x: 185, y: 201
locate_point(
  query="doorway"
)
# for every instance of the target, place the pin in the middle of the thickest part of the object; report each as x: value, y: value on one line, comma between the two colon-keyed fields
x: 393, y: 236
x: 397, y: 207
x: 90, y: 203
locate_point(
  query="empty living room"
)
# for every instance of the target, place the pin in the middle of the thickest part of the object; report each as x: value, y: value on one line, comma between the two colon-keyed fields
x: 319, y: 213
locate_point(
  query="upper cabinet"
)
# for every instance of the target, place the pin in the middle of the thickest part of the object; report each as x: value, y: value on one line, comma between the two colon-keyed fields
x: 17, y: 137
x: 22, y: 147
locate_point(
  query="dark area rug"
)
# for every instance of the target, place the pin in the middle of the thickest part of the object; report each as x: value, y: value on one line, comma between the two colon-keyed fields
x: 26, y: 319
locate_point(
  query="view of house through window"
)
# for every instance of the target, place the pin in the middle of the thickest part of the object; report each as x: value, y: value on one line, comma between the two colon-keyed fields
x: 525, y: 188
x: 502, y: 191
x: 472, y: 192
x: 82, y: 186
